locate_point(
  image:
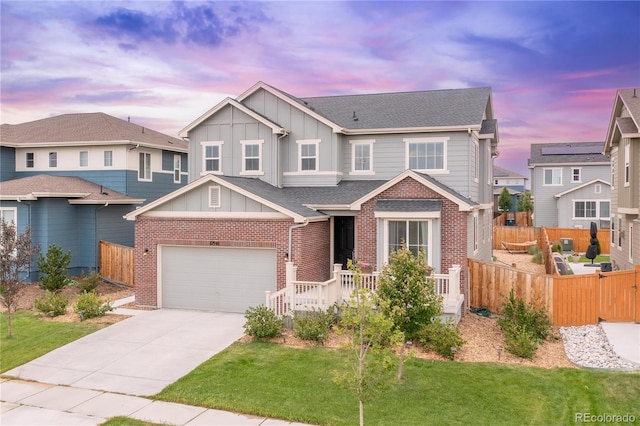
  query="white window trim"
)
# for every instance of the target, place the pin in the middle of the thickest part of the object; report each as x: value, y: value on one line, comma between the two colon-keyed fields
x: 353, y: 171
x: 144, y: 178
x: 444, y: 140
x: 15, y: 215
x: 597, y: 216
x: 26, y: 160
x: 385, y: 236
x: 544, y: 172
x: 177, y: 160
x: 476, y: 161
x: 258, y: 172
x: 104, y: 158
x: 56, y: 159
x: 597, y: 188
x: 315, y: 142
x: 80, y: 159
x: 626, y: 172
x: 214, y: 196
x: 619, y: 242
x: 630, y: 239
x: 579, y: 169
x: 205, y: 144
x: 476, y: 244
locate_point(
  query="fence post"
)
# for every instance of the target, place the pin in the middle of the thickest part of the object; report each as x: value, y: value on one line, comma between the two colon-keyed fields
x: 454, y: 283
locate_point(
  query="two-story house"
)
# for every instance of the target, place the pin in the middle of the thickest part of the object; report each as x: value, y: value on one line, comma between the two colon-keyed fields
x: 514, y: 182
x: 278, y: 180
x: 570, y: 184
x: 73, y: 177
x: 623, y: 146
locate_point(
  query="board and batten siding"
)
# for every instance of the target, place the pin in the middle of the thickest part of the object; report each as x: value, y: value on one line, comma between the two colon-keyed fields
x: 565, y: 209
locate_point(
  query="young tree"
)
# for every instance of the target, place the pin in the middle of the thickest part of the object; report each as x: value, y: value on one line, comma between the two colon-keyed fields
x: 16, y: 254
x: 409, y: 295
x: 504, y: 201
x: 525, y: 203
x: 372, y: 335
x: 54, y: 267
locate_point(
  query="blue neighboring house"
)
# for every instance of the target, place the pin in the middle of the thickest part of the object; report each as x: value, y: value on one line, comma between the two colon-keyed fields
x: 73, y: 177
x: 514, y: 182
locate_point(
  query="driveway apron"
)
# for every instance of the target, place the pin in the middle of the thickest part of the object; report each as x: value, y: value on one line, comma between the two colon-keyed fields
x: 138, y: 356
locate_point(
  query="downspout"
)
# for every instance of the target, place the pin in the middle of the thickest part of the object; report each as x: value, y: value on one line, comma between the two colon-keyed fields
x: 278, y: 171
x: 291, y: 228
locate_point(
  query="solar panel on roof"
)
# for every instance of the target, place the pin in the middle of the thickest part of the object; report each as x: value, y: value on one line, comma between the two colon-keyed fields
x: 570, y: 150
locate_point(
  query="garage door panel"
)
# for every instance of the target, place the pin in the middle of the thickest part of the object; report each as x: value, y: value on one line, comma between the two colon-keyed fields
x: 220, y: 279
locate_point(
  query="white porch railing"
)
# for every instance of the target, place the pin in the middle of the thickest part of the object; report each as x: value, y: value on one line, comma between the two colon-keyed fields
x: 307, y: 295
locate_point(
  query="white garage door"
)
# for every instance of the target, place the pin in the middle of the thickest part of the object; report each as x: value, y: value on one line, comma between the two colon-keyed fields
x: 215, y: 278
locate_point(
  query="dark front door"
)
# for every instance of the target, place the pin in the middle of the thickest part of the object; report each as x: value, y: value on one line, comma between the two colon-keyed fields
x: 343, y: 233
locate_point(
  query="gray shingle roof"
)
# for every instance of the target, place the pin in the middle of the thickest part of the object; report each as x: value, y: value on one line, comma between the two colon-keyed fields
x: 90, y: 127
x: 346, y: 192
x: 632, y: 103
x: 71, y: 187
x: 502, y: 172
x: 408, y: 205
x: 454, y: 107
x: 445, y: 188
x: 567, y: 153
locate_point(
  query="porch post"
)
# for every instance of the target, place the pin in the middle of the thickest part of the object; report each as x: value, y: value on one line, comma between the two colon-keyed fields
x: 335, y: 293
x: 454, y: 283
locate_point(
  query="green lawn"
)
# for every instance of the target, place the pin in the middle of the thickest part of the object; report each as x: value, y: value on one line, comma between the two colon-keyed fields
x: 598, y: 259
x: 296, y: 384
x: 128, y: 421
x: 33, y: 337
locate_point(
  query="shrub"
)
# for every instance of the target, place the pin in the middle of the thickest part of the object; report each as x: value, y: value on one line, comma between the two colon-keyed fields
x: 524, y: 326
x: 51, y: 303
x: 54, y: 267
x: 88, y: 283
x: 556, y: 247
x: 89, y: 305
x: 262, y: 323
x: 314, y: 325
x: 441, y: 337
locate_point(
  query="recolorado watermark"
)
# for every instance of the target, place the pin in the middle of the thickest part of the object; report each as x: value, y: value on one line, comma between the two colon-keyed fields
x: 604, y: 418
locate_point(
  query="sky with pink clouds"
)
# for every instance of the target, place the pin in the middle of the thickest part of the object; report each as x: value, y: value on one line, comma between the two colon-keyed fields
x: 553, y: 67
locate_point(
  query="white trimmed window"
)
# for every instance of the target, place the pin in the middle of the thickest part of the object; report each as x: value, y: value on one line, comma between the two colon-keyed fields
x: 576, y: 175
x: 553, y: 177
x: 30, y: 160
x: 591, y: 209
x: 362, y: 156
x: 620, y: 232
x: 84, y: 158
x: 9, y: 214
x: 214, y: 196
x: 212, y: 157
x: 251, y: 157
x: 627, y: 167
x: 475, y: 160
x: 426, y: 154
x: 414, y: 233
x: 475, y: 232
x: 177, y: 169
x: 144, y: 166
x: 308, y: 155
x: 108, y: 158
x: 53, y: 159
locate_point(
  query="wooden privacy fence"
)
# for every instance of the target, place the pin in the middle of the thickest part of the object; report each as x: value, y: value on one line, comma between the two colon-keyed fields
x: 117, y: 263
x: 569, y: 299
x: 521, y: 219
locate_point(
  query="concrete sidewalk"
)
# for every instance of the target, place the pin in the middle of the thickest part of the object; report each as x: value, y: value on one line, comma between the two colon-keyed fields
x: 624, y: 338
x: 31, y: 403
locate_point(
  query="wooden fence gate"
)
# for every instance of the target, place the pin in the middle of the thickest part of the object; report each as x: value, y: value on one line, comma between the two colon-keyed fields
x: 117, y: 263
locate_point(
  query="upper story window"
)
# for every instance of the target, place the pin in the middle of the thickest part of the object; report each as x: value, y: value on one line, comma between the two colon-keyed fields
x: 495, y: 181
x: 30, y: 160
x: 251, y: 157
x: 575, y: 175
x: 627, y: 170
x: 552, y: 176
x: 428, y: 154
x: 84, y: 158
x: 212, y: 157
x: 108, y: 158
x: 475, y: 160
x: 53, y: 159
x: 308, y: 155
x: 144, y: 166
x: 177, y: 168
x: 362, y: 156
x: 9, y: 214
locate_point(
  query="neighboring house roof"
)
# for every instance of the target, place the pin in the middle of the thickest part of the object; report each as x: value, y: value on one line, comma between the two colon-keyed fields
x: 567, y: 153
x: 568, y: 191
x: 627, y: 126
x: 77, y: 190
x: 388, y: 112
x: 500, y: 172
x: 86, y: 129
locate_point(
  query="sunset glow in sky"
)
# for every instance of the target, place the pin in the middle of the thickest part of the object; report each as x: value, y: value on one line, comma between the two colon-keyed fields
x: 553, y: 67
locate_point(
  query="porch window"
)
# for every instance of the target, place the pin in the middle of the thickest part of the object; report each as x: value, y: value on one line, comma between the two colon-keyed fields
x: 53, y: 159
x: 429, y: 154
x: 415, y: 233
x: 308, y: 155
x: 144, y: 166
x: 553, y: 176
x: 31, y: 160
x: 361, y: 156
x: 84, y: 158
x: 212, y: 157
x: 251, y: 157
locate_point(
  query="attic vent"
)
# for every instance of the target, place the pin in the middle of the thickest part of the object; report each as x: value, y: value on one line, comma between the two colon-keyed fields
x: 214, y: 196
x: 354, y: 116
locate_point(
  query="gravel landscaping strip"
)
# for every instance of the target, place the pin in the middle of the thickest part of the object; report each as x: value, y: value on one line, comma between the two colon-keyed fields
x: 588, y: 346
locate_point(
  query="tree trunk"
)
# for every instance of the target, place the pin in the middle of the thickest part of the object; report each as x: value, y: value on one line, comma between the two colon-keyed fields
x: 401, y: 362
x: 9, y: 321
x: 361, y: 413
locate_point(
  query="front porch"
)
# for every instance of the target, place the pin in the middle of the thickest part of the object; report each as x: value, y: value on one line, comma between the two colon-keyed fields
x: 307, y: 295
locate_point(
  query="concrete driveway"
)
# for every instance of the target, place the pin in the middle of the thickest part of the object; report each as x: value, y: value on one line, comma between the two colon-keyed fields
x: 138, y: 356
